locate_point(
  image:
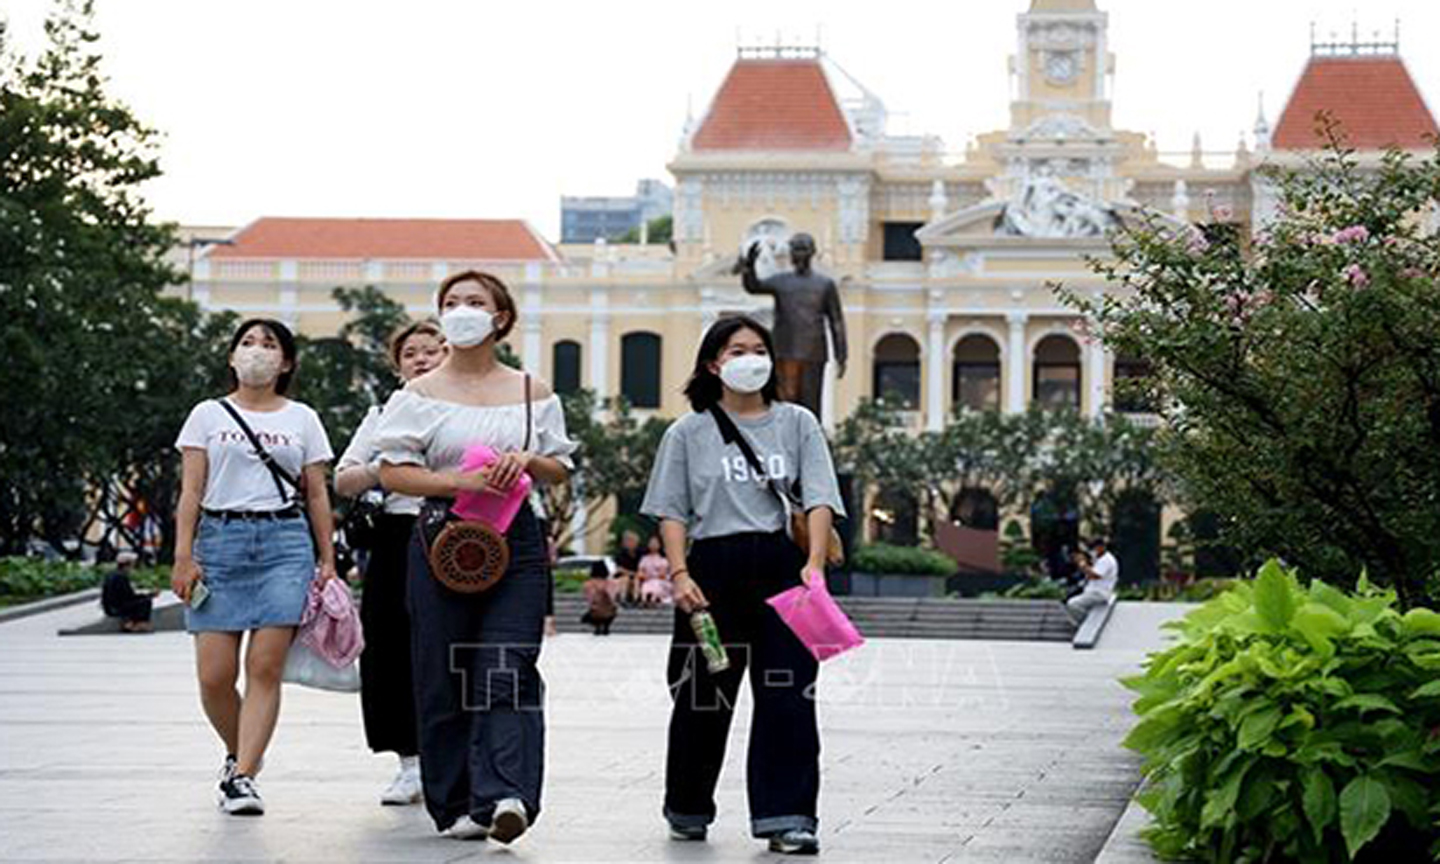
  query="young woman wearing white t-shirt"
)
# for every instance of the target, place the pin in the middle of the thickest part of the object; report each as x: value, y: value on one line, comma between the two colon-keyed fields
x: 387, y: 689
x: 242, y: 532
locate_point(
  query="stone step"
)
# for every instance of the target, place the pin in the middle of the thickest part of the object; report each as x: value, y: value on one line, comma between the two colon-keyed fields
x: 881, y: 617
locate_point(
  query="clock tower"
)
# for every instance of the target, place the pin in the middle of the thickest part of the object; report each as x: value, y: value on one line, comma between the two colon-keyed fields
x: 1061, y: 72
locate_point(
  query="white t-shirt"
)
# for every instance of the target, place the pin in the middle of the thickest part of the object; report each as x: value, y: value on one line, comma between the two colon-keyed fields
x: 1108, y: 569
x: 362, y: 451
x: 237, y: 479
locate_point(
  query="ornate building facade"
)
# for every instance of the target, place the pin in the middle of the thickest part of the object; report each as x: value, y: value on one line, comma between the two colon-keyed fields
x: 945, y: 260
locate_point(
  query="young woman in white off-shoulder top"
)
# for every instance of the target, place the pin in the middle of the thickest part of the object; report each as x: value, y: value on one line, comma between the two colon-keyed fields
x: 478, y: 692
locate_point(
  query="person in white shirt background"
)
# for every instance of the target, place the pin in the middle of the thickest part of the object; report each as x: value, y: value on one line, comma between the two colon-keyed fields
x: 250, y: 536
x: 387, y: 691
x: 1102, y: 575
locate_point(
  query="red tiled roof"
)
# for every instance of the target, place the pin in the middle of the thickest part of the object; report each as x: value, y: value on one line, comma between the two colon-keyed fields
x: 432, y: 239
x: 774, y: 105
x: 1374, y: 99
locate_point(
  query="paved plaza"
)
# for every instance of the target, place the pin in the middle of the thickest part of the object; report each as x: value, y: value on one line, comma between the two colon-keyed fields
x: 939, y: 751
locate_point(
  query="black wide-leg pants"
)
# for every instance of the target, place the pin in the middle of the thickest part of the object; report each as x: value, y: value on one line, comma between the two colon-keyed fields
x: 387, y: 685
x: 479, y: 696
x: 782, y: 778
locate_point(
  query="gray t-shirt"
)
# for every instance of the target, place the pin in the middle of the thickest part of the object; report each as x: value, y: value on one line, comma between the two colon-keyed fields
x: 700, y: 480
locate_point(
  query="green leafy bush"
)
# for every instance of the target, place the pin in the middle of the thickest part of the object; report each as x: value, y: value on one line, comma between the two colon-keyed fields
x: 1294, y: 723
x: 23, y: 579
x: 571, y: 580
x: 905, y: 560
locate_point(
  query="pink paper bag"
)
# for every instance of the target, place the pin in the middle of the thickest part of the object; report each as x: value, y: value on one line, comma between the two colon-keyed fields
x: 817, y: 619
x: 496, y: 509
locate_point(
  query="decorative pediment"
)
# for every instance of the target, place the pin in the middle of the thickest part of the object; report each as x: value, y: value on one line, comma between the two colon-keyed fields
x: 1039, y: 218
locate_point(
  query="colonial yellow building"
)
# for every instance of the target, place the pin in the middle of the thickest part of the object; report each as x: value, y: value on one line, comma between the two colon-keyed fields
x: 944, y: 259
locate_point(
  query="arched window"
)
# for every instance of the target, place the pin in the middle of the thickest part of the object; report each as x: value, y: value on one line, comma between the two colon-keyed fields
x: 976, y: 380
x: 1136, y: 536
x: 897, y: 371
x: 895, y: 518
x: 1130, y: 375
x: 976, y: 508
x: 640, y: 369
x: 565, y: 366
x: 1057, y: 373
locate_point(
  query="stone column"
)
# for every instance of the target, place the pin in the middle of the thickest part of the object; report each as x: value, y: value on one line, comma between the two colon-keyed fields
x: 935, y: 373
x: 531, y: 351
x: 600, y: 341
x: 1017, y: 363
x: 1096, y: 363
x: 289, y: 299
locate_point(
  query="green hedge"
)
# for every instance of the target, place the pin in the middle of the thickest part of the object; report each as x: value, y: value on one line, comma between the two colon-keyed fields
x: 906, y: 560
x: 1293, y: 723
x: 26, y: 579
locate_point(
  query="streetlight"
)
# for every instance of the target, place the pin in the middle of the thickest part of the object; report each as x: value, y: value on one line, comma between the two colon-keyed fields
x: 199, y: 243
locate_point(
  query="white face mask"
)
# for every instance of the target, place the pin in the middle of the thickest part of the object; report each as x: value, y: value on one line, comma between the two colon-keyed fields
x: 467, y: 326
x: 747, y: 373
x: 256, y: 365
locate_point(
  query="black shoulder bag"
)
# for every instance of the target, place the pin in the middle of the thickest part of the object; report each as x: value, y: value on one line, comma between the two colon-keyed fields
x: 277, y: 473
x: 797, y: 523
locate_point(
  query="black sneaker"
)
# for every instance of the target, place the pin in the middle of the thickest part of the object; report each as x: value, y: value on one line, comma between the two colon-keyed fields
x: 239, y: 797
x: 687, y: 833
x: 796, y: 841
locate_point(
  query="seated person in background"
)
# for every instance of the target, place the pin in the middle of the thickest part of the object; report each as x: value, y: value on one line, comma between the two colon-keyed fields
x: 119, y: 598
x: 1101, y: 578
x: 654, y: 576
x: 602, y: 609
x: 627, y: 566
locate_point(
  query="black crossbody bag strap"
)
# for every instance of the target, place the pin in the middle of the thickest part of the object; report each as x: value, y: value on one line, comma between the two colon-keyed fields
x: 276, y: 472
x: 731, y: 434
x: 528, y: 423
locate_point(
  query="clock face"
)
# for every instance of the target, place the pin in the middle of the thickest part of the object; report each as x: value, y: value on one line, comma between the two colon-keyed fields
x: 1061, y: 66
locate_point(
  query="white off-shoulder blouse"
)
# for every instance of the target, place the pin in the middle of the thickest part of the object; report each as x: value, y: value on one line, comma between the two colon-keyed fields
x: 420, y: 430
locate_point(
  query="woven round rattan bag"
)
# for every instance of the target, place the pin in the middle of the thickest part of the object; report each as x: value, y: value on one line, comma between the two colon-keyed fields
x: 469, y: 557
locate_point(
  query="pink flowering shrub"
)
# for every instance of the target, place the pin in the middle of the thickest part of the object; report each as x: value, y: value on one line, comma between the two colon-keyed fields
x: 1300, y: 372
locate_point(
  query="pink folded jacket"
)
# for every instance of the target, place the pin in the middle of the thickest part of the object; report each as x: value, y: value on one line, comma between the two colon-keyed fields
x: 330, y: 625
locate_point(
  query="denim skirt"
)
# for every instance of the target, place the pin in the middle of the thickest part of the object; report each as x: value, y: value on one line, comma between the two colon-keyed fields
x: 258, y: 572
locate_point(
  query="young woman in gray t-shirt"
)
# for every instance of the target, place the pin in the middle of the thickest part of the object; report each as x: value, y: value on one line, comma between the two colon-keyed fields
x: 704, y: 489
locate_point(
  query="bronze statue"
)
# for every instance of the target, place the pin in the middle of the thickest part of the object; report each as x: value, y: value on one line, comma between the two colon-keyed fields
x: 805, y: 301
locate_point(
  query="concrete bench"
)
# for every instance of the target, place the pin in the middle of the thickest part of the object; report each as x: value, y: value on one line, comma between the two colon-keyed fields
x: 1095, y: 620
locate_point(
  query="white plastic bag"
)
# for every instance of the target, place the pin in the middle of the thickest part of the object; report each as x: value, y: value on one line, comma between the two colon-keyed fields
x: 308, y: 669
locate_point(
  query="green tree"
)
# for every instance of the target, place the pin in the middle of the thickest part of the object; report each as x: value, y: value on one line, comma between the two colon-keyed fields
x: 613, y: 462
x: 81, y: 272
x: 1300, y: 378
x: 658, y: 231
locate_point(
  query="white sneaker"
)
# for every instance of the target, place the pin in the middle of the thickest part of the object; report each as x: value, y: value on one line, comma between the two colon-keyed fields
x: 240, y: 797
x: 404, y: 789
x: 509, y: 821
x: 465, y: 828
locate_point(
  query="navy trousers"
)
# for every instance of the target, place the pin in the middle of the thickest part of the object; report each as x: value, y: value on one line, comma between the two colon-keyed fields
x: 478, y: 694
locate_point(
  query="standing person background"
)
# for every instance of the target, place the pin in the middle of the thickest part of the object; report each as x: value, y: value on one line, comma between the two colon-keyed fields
x: 243, y: 534
x: 703, y: 488
x: 387, y: 691
x: 1101, y: 579
x: 480, y: 697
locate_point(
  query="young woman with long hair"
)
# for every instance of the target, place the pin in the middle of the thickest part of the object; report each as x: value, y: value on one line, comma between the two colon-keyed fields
x: 253, y: 528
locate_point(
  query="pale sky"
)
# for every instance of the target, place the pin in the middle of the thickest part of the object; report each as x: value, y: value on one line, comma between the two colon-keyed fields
x: 495, y: 109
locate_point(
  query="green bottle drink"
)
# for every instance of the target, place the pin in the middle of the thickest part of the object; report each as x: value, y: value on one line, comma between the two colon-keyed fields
x: 708, y: 635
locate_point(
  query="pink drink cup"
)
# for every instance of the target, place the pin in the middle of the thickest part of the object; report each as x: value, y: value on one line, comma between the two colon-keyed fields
x: 496, y: 509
